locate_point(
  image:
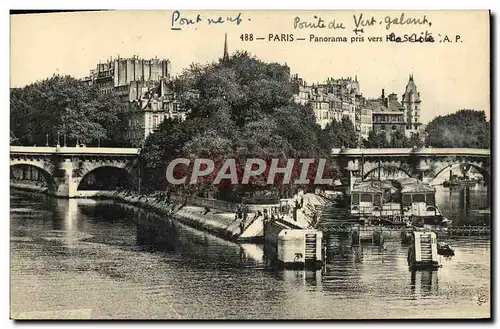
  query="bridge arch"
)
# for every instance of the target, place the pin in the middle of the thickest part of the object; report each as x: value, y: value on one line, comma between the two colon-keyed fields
x: 389, y: 167
x: 481, y: 170
x: 47, y: 172
x: 106, y: 178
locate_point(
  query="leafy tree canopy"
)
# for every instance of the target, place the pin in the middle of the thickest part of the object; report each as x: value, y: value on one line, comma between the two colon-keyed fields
x: 465, y: 128
x: 339, y: 134
x: 244, y: 110
x: 397, y: 140
x: 65, y: 105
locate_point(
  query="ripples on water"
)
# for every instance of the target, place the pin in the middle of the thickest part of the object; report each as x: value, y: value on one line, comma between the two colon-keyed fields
x: 101, y: 260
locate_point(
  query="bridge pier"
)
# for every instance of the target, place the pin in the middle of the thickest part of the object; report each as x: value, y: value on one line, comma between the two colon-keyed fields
x: 352, y: 169
x: 65, y: 182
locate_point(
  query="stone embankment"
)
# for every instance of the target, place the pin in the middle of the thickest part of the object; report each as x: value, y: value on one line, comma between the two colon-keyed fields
x: 215, y: 216
x: 204, y: 214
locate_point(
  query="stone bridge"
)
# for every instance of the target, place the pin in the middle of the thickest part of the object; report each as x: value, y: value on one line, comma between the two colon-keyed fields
x: 66, y: 169
x: 423, y: 163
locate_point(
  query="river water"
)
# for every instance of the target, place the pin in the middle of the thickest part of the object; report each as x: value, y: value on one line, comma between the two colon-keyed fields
x: 102, y: 260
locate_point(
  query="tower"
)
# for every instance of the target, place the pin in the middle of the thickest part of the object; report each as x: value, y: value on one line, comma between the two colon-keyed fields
x: 225, y: 57
x: 411, y: 102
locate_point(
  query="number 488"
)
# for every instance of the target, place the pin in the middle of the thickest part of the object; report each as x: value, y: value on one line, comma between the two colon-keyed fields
x: 246, y: 37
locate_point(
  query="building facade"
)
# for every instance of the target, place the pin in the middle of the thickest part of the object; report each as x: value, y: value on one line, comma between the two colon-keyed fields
x: 334, y: 99
x: 145, y: 89
x: 387, y: 115
x: 121, y: 72
x: 412, y: 102
x: 366, y: 122
x: 341, y: 98
x: 152, y: 104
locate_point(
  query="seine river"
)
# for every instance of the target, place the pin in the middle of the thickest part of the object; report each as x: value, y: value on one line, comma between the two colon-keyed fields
x: 102, y: 260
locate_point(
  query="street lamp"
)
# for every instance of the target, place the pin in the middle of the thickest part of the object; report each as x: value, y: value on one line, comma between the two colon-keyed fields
x: 64, y: 131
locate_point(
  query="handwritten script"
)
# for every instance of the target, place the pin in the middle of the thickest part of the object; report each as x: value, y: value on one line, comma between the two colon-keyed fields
x: 179, y: 21
x: 361, y: 21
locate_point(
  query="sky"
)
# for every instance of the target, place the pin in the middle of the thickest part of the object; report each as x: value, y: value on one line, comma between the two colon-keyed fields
x: 449, y: 75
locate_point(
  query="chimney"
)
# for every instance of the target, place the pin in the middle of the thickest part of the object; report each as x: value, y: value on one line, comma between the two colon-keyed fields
x: 383, y: 94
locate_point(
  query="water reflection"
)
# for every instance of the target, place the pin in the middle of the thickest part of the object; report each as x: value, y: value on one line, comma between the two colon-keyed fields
x: 120, y: 261
x: 306, y: 278
x: 462, y: 203
x: 67, y: 220
x: 152, y: 236
x: 423, y: 283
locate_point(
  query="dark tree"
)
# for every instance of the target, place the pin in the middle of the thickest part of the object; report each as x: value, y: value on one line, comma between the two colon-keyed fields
x: 244, y: 110
x: 465, y: 128
x: 376, y: 140
x: 340, y: 134
x: 62, y: 104
x: 397, y: 140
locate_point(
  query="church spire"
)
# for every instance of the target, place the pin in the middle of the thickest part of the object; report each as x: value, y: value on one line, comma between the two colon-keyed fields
x: 225, y: 57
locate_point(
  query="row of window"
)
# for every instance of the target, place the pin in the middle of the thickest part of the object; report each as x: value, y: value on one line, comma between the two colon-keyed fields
x: 365, y: 197
x: 427, y: 198
x: 407, y: 198
x: 102, y: 84
x: 326, y: 115
x: 106, y: 91
x: 388, y: 119
x: 163, y: 106
x: 333, y: 105
x: 394, y: 127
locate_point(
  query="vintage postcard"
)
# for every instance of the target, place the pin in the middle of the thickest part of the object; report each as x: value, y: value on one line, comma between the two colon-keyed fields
x: 250, y: 165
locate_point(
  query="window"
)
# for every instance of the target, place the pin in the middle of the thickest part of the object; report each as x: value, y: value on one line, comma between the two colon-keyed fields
x: 418, y: 198
x: 355, y: 198
x: 406, y: 199
x: 366, y: 197
x: 394, y: 127
x: 430, y: 199
x: 376, y: 199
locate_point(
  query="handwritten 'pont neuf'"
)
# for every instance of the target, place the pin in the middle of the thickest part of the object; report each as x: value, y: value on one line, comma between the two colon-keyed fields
x: 178, y: 20
x: 360, y: 21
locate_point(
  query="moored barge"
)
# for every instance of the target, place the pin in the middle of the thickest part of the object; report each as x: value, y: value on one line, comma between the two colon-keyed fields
x: 396, y: 202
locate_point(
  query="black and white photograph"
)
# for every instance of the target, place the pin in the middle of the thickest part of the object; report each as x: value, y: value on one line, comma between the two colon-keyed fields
x: 250, y: 165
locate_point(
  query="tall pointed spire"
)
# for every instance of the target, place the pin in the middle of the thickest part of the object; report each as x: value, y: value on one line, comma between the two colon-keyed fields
x: 225, y: 57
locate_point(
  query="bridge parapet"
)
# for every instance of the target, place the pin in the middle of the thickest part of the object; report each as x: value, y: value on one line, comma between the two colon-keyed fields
x: 422, y: 163
x: 406, y: 152
x: 104, y: 151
